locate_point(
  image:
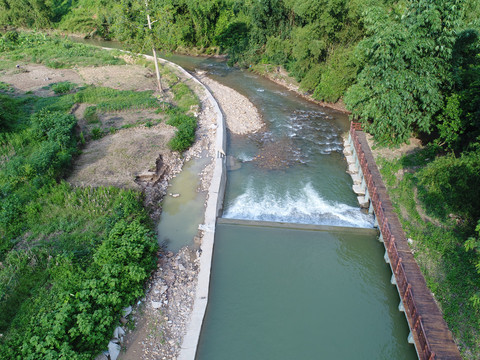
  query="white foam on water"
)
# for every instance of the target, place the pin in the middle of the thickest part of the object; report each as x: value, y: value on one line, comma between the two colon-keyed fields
x: 244, y: 157
x: 305, y: 207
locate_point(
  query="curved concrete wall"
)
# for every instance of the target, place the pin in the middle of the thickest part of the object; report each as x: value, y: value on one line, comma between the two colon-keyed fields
x: 216, y: 193
x: 215, y: 196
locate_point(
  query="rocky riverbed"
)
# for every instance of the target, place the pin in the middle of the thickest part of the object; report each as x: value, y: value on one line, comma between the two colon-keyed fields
x: 242, y: 117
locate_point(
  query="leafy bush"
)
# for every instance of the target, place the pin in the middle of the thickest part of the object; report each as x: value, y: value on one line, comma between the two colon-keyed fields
x: 8, y: 112
x: 90, y: 115
x: 97, y: 133
x: 63, y: 87
x: 74, y: 291
x: 337, y: 74
x: 11, y: 36
x: 185, y: 134
x: 449, y: 184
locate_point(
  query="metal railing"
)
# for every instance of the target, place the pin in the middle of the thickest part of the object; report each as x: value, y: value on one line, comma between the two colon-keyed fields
x: 404, y: 287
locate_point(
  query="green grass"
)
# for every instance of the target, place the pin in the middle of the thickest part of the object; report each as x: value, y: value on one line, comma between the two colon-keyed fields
x: 53, y: 51
x: 107, y: 99
x: 90, y: 115
x: 63, y: 87
x: 439, y: 239
x: 184, y: 97
x: 6, y: 88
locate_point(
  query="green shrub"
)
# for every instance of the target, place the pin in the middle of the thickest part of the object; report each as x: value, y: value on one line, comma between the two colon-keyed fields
x: 185, y: 134
x: 8, y: 112
x: 90, y: 115
x: 337, y: 74
x: 103, y: 250
x: 11, y: 36
x: 97, y: 133
x: 63, y: 87
x: 449, y: 184
x: 6, y: 87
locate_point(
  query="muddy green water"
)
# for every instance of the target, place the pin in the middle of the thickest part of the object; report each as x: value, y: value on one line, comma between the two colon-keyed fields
x: 293, y: 294
x: 182, y: 214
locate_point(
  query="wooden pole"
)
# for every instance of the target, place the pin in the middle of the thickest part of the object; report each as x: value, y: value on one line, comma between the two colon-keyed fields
x: 159, y: 80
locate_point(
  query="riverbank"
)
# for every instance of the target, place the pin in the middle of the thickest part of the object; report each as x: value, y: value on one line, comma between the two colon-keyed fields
x: 242, y: 117
x: 280, y: 76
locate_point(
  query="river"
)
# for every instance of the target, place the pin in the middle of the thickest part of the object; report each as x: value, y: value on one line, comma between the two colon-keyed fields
x: 292, y: 293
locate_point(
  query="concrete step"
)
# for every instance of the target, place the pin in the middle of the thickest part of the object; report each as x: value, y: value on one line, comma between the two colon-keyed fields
x: 358, y: 189
x: 352, y: 169
x: 357, y: 179
x: 350, y: 159
x: 347, y: 150
x: 364, y: 204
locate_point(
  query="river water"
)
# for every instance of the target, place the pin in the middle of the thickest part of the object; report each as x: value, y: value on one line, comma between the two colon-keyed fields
x: 283, y: 293
x: 279, y: 293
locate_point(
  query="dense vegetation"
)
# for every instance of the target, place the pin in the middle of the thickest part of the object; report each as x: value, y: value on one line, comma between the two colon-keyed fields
x: 413, y: 64
x: 439, y: 229
x: 403, y: 67
x: 70, y: 258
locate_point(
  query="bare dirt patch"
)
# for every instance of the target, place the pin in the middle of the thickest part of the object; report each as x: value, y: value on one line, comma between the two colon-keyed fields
x: 115, y: 160
x: 120, y: 77
x: 108, y: 121
x: 393, y: 154
x: 34, y: 77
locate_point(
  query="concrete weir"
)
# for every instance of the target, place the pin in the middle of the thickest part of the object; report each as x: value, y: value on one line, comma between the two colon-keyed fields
x: 298, y: 226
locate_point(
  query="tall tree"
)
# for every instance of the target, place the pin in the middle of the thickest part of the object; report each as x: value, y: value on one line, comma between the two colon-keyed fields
x: 408, y: 68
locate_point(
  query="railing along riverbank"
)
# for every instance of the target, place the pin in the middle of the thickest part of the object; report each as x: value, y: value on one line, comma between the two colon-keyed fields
x: 430, y: 333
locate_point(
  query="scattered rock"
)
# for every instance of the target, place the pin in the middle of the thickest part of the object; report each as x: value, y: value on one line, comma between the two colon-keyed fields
x: 114, y: 350
x: 156, y: 304
x: 118, y: 335
x: 127, y: 311
x: 241, y: 116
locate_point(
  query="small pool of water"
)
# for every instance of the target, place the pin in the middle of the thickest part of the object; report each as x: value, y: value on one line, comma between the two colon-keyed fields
x: 182, y: 214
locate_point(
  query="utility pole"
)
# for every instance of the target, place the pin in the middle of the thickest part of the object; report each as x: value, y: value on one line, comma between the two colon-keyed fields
x: 159, y: 81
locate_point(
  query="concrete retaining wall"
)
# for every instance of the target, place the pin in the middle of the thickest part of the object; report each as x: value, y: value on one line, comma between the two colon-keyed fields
x: 214, y: 207
x: 215, y: 196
